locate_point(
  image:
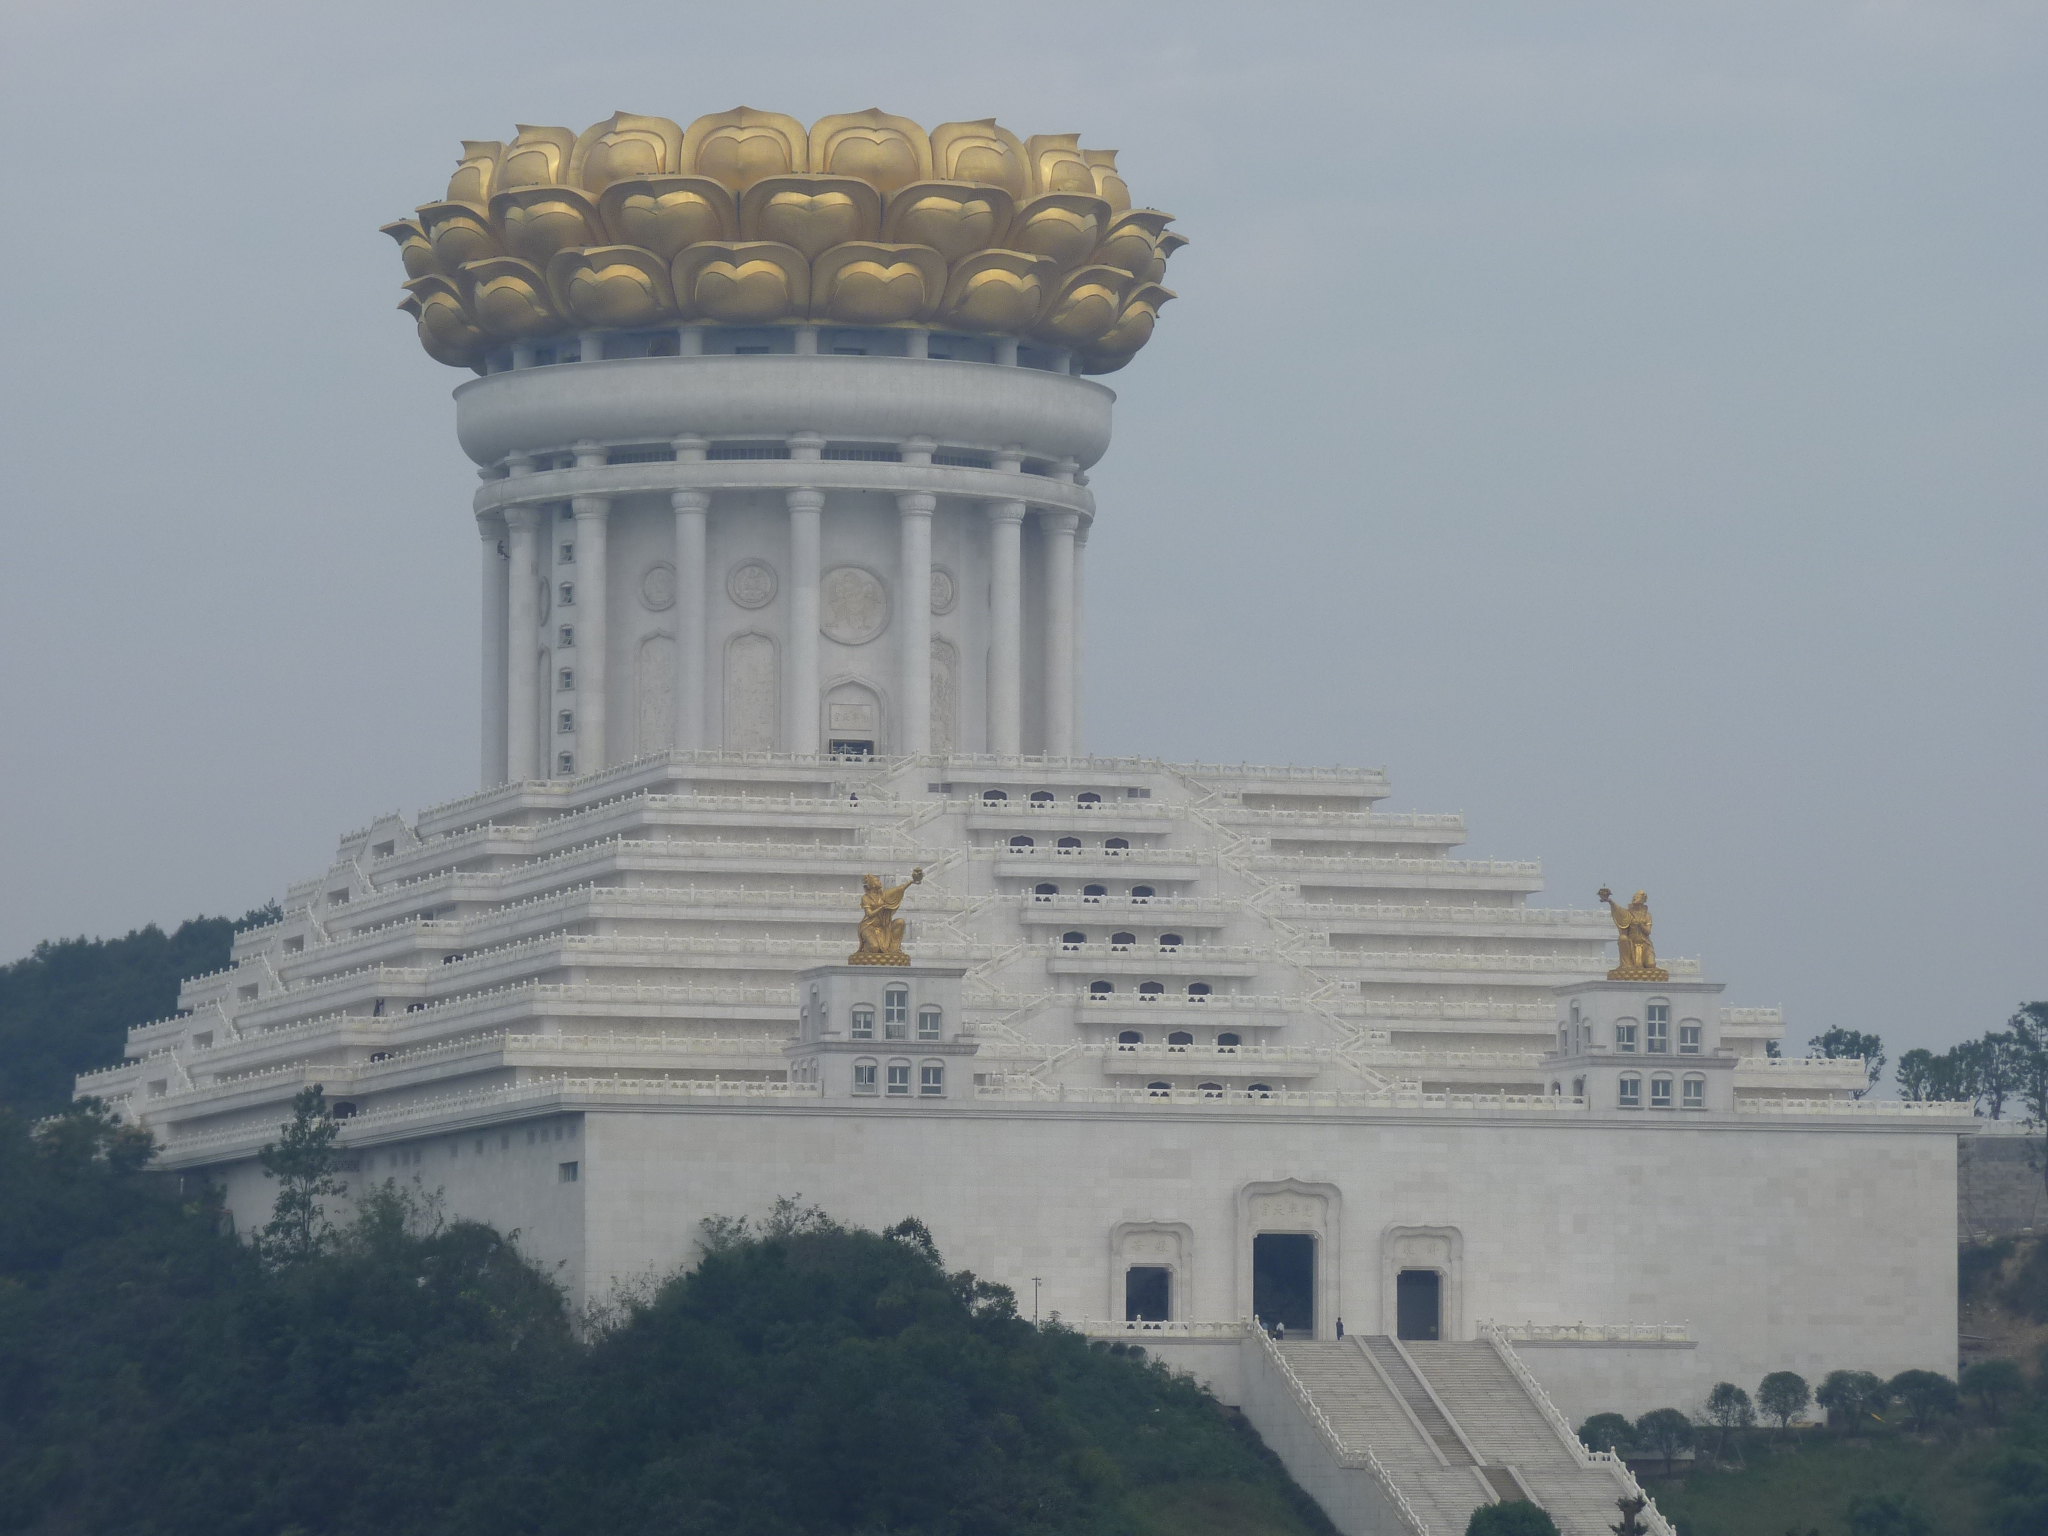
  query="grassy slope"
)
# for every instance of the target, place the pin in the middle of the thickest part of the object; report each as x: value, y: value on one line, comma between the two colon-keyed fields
x: 1809, y: 1488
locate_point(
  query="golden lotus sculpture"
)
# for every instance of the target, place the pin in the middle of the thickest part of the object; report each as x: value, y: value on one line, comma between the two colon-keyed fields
x: 748, y: 218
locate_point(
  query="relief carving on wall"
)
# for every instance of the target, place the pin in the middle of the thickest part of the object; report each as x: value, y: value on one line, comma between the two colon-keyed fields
x: 945, y: 697
x: 1288, y: 1212
x: 752, y: 694
x: 942, y: 590
x: 654, y: 688
x: 658, y: 586
x: 853, y: 605
x: 751, y: 584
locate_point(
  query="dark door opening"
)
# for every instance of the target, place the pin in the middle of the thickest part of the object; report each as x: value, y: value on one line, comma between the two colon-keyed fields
x: 843, y: 748
x: 1284, y: 1280
x: 1418, y: 1304
x: 1148, y: 1293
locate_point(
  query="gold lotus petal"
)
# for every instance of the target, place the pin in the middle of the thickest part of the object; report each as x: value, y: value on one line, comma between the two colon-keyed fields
x: 1062, y: 225
x: 624, y: 146
x: 871, y: 284
x: 810, y: 213
x: 952, y: 218
x: 998, y: 291
x: 743, y: 146
x: 744, y: 282
x: 509, y: 298
x: 458, y: 233
x: 983, y: 152
x: 535, y: 222
x: 538, y: 157
x: 616, y: 285
x: 1086, y: 306
x: 879, y: 148
x: 1109, y: 186
x: 476, y: 173
x: 663, y: 214
x: 1056, y: 164
x: 414, y: 249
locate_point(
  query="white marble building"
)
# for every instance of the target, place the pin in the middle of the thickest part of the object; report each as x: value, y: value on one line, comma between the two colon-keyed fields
x: 767, y: 607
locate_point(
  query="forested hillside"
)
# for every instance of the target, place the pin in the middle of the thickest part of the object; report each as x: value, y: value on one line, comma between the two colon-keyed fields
x: 408, y: 1374
x: 68, y: 1005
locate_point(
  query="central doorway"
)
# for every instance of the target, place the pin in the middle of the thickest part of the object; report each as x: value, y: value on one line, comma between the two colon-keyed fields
x: 1284, y: 1280
x: 1148, y: 1293
x: 1419, y: 1304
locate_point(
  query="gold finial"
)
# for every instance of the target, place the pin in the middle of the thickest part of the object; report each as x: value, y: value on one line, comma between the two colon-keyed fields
x: 881, y: 930
x: 1632, y: 925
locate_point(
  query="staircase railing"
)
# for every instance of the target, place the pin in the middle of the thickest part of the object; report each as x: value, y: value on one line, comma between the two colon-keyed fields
x: 1587, y: 1457
x: 1359, y: 1457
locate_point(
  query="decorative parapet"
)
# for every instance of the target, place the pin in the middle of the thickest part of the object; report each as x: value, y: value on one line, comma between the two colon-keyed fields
x: 1592, y: 1333
x: 1901, y: 1109
x: 749, y: 218
x: 1163, y: 1331
x: 1585, y: 1456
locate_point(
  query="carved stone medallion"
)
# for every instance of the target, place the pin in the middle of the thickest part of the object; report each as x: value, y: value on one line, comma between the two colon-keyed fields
x: 854, y: 605
x: 751, y: 584
x: 942, y: 590
x: 658, y: 586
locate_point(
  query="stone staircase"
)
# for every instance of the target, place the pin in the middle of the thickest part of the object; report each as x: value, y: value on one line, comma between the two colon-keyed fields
x: 1453, y: 1428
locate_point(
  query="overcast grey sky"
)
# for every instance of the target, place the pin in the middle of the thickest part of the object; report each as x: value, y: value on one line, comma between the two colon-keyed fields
x: 1623, y: 422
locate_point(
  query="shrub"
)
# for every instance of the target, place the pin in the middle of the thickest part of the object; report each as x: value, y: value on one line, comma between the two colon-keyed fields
x: 1993, y: 1381
x: 1852, y: 1398
x: 1927, y: 1396
x: 1664, y: 1432
x: 1608, y: 1432
x: 1728, y: 1409
x: 1784, y: 1396
x: 1518, y: 1517
x: 1887, y: 1514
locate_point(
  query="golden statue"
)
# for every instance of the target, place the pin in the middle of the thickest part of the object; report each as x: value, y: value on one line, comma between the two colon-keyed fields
x: 881, y: 930
x: 1632, y: 924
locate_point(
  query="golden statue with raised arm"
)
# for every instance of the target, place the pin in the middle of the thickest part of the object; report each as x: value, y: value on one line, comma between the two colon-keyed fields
x: 881, y: 930
x: 1632, y: 931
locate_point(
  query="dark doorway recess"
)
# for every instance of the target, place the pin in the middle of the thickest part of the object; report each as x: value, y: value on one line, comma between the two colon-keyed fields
x: 1148, y: 1293
x: 1284, y: 1280
x: 1419, y: 1304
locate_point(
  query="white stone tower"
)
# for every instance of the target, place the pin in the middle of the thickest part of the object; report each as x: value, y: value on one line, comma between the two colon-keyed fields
x: 782, y: 430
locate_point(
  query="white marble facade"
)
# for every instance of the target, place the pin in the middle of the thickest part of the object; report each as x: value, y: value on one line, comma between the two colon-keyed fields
x: 756, y: 623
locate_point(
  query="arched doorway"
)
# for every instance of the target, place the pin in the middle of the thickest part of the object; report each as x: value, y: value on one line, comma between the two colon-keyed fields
x: 1419, y: 1304
x: 1284, y: 1281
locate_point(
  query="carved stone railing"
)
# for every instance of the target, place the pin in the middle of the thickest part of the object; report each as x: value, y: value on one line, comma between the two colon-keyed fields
x: 1359, y: 1457
x: 1585, y: 1456
x: 1593, y: 1333
x: 1166, y: 1331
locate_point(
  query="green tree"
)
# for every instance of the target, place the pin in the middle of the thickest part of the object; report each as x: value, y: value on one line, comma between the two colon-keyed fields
x: 1631, y: 1522
x: 1517, y: 1517
x: 1842, y: 1043
x: 1992, y: 1382
x: 1728, y: 1409
x: 1851, y: 1399
x: 303, y: 1160
x: 1917, y: 1073
x: 1926, y: 1395
x: 1784, y: 1396
x: 2021, y: 1478
x: 2028, y: 1032
x: 68, y: 1005
x: 1887, y: 1514
x: 1664, y: 1432
x: 1608, y: 1432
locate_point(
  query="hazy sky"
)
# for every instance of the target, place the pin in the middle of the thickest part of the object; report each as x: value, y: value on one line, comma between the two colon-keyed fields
x: 1622, y: 422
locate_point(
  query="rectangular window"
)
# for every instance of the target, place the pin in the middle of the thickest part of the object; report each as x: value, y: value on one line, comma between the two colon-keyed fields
x: 895, y: 1029
x: 1658, y: 1039
x: 1660, y: 1093
x: 1695, y: 1093
x: 1624, y: 1037
x: 863, y: 1077
x: 566, y: 635
x: 1688, y: 1039
x: 899, y: 1078
x: 566, y: 680
x: 1631, y: 1093
x: 568, y: 594
x: 931, y: 1082
x: 567, y: 1173
x: 565, y: 762
x: 568, y: 554
x: 928, y: 1024
x: 863, y: 1024
x: 896, y: 1014
x: 566, y: 721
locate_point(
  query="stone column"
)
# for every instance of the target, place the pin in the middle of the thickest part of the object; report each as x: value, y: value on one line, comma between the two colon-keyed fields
x: 1059, y: 631
x: 914, y: 620
x: 1006, y: 628
x: 588, y: 612
x: 800, y: 664
x: 496, y: 552
x: 522, y: 640
x: 1074, y: 736
x: 692, y: 509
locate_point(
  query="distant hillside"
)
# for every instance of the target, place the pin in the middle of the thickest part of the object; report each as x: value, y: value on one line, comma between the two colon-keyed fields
x: 68, y: 1006
x: 416, y: 1377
